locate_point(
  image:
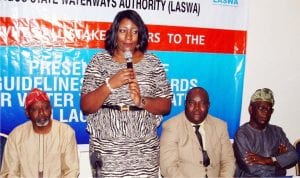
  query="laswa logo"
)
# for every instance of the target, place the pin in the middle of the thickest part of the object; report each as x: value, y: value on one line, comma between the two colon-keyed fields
x: 226, y: 2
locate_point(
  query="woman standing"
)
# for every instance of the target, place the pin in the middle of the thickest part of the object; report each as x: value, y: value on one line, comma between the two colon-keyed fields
x: 125, y: 105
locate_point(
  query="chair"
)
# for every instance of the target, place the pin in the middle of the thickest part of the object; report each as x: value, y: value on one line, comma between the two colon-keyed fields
x: 3, y: 138
x: 297, y: 146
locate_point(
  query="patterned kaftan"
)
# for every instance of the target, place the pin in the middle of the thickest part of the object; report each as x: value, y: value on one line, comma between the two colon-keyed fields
x: 126, y: 141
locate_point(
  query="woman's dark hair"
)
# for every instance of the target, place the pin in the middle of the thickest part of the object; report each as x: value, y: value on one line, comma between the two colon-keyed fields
x: 111, y: 33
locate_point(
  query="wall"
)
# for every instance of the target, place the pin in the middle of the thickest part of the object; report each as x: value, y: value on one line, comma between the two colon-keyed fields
x: 273, y: 61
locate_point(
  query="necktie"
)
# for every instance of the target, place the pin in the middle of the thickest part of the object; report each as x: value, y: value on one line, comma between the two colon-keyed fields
x: 206, y: 160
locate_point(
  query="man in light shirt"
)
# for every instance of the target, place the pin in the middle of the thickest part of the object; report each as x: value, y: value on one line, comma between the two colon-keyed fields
x: 185, y: 152
x: 41, y: 147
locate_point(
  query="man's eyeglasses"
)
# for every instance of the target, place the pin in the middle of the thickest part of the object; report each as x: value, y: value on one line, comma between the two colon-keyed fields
x: 264, y: 108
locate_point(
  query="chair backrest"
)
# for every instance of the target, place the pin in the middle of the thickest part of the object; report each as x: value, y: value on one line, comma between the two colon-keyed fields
x: 297, y: 146
x: 3, y: 138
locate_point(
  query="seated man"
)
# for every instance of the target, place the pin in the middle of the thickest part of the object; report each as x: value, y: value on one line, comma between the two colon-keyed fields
x: 262, y: 149
x: 189, y: 151
x: 41, y: 147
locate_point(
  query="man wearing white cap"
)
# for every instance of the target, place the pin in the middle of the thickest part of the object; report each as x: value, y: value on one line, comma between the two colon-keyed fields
x: 262, y: 149
x: 41, y: 147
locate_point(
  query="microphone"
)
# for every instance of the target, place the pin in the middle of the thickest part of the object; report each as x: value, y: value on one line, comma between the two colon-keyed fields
x: 128, y: 57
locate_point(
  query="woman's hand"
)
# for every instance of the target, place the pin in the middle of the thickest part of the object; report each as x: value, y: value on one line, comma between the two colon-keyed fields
x: 123, y: 77
x: 135, y: 92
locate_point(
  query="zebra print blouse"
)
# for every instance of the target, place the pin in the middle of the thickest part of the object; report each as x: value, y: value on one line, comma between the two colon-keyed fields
x: 127, y: 142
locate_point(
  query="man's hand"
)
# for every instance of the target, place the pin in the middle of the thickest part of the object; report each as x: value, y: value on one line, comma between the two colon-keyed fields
x: 252, y: 158
x: 282, y: 149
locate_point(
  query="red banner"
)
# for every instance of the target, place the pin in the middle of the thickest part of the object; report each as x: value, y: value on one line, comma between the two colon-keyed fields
x: 89, y: 34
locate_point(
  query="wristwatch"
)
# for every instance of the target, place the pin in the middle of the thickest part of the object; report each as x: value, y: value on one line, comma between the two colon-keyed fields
x: 143, y: 103
x: 274, y: 159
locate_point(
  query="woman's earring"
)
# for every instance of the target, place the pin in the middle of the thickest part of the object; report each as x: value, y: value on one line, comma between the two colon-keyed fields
x: 137, y: 47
